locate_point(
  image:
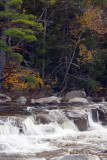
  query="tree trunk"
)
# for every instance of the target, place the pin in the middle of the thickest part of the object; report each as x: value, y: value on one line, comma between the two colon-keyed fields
x: 2, y: 67
x: 44, y: 37
x: 2, y: 53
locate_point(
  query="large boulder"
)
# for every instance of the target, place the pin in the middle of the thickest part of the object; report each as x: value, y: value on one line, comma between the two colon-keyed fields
x: 80, y: 120
x: 21, y: 100
x: 74, y: 94
x: 4, y: 98
x: 44, y: 118
x: 48, y: 100
x: 78, y: 100
x: 82, y: 123
x: 72, y: 114
x: 74, y: 157
x: 93, y: 157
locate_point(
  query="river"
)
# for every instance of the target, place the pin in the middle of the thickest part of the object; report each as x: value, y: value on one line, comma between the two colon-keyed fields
x: 23, y: 136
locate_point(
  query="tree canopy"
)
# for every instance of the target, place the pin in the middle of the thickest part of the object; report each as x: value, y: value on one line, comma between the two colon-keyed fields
x: 64, y: 42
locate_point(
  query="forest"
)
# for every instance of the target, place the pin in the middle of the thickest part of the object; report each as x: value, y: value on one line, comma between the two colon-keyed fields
x: 58, y: 44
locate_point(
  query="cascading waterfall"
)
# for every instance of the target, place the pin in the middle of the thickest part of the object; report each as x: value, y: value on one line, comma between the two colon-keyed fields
x: 25, y: 135
x: 95, y: 125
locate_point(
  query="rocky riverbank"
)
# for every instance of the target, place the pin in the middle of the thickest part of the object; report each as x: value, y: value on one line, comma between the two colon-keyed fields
x: 57, y: 130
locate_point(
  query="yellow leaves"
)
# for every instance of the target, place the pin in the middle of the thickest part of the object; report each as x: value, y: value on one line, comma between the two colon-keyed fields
x: 74, y: 32
x: 48, y: 86
x: 93, y: 19
x: 100, y: 88
x: 24, y: 11
x: 90, y: 16
x: 21, y: 79
x: 86, y: 55
x: 18, y: 81
x: 83, y: 49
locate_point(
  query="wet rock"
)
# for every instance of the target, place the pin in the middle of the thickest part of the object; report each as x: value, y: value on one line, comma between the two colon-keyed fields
x: 2, y: 147
x: 78, y: 100
x: 56, y: 158
x: 95, y: 116
x: 90, y: 100
x: 48, y: 100
x: 44, y: 118
x: 73, y: 94
x: 102, y: 111
x: 93, y: 157
x: 97, y: 99
x: 4, y: 98
x: 82, y: 123
x: 32, y: 101
x: 105, y: 151
x: 72, y: 115
x: 80, y: 120
x: 40, y: 158
x: 21, y: 100
x: 74, y: 157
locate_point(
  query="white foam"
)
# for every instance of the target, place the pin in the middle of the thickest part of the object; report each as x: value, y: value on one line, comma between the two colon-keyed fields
x: 39, y: 137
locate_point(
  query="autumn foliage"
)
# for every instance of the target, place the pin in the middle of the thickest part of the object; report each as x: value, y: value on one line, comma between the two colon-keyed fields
x: 22, y: 79
x: 64, y: 40
x: 94, y: 19
x: 85, y: 55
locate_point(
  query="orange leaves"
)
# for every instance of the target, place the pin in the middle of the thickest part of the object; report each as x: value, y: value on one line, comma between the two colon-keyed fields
x: 1, y: 24
x: 17, y: 47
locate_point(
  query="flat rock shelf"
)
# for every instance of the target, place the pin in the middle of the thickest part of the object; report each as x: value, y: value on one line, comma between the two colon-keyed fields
x: 52, y: 132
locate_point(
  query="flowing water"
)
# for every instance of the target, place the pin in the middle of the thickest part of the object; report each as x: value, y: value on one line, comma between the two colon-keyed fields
x: 24, y: 137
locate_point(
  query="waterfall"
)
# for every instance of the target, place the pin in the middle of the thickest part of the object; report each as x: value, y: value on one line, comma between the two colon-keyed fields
x: 103, y: 100
x: 94, y: 125
x: 61, y: 119
x: 28, y: 135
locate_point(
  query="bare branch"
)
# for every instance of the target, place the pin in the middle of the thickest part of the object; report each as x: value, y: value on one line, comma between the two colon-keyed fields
x: 59, y: 70
x: 41, y: 16
x: 74, y: 52
x: 79, y: 77
x: 26, y: 62
x: 54, y: 11
x: 46, y: 21
x: 81, y: 9
x: 64, y: 67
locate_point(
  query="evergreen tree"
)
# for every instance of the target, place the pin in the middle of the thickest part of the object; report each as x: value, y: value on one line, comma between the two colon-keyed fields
x: 17, y: 27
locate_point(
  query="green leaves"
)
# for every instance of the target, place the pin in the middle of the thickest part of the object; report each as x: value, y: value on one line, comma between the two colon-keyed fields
x: 15, y: 32
x: 28, y: 23
x: 20, y: 33
x: 93, y: 85
x: 30, y: 38
x: 24, y: 21
x: 51, y: 2
x: 13, y: 55
x: 29, y: 31
x: 15, y: 3
x: 4, y: 46
x: 16, y: 57
x: 4, y: 15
